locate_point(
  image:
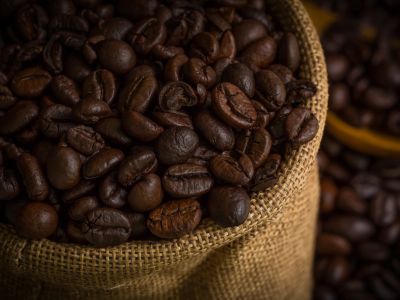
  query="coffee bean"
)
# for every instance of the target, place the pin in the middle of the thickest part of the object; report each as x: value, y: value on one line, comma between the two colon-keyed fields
x: 9, y: 185
x: 228, y: 206
x: 55, y: 120
x: 331, y: 244
x: 301, y: 126
x: 74, y: 232
x: 81, y: 207
x: 366, y: 185
x: 18, y: 116
x: 137, y: 10
x: 196, y: 71
x: 205, y: 47
x: 37, y: 221
x: 227, y: 46
x: 32, y: 176
x: 247, y: 32
x: 214, y: 131
x: 187, y: 180
x: 65, y: 90
x: 354, y: 228
x: 111, y: 193
x: 176, y: 144
x: 147, y: 34
x: 106, y: 227
x: 84, y: 139
x: 139, y: 89
x: 62, y: 7
x: 335, y: 271
x: 338, y: 66
x: 233, y: 106
x: 175, y: 95
x: 271, y: 91
x: 141, y: 162
x: 90, y: 110
x: 380, y: 99
x: 30, y: 82
x: 173, y: 67
x: 102, y: 162
x: 265, y: 176
x: 348, y: 200
x: 140, y: 127
x: 289, y: 51
x: 63, y: 168
x: 298, y: 91
x: 241, y: 76
x: 109, y: 49
x: 383, y: 209
x: 138, y: 224
x: 68, y: 23
x: 283, y: 72
x: 175, y: 218
x: 100, y: 85
x: 372, y: 251
x: 259, y: 54
x: 83, y: 188
x: 111, y: 130
x: 7, y: 98
x: 172, y: 119
x: 146, y: 194
x: 115, y: 28
x: 328, y: 195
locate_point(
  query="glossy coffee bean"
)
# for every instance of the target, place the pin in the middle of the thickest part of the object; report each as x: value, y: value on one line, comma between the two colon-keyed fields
x: 81, y: 207
x: 18, y: 116
x: 106, y: 227
x: 102, y: 162
x: 111, y: 130
x: 265, y: 176
x: 146, y: 35
x: 283, y: 72
x: 84, y: 139
x: 259, y: 54
x: 65, y: 90
x: 176, y: 144
x: 175, y: 218
x: 83, y: 188
x: 55, y: 120
x: 196, y: 71
x: 351, y: 227
x: 247, y: 32
x: 289, y: 51
x: 241, y: 76
x: 91, y: 110
x: 100, y: 85
x: 271, y: 91
x: 110, y: 49
x: 331, y: 244
x: 172, y: 119
x: 301, y: 126
x: 140, y: 127
x: 37, y: 221
x: 9, y: 184
x: 30, y: 83
x: 146, y: 194
x: 138, y: 224
x: 228, y: 206
x: 175, y: 95
x: 111, y: 193
x: 187, y: 180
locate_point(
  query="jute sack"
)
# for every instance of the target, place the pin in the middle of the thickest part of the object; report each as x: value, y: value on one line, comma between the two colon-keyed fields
x: 268, y: 257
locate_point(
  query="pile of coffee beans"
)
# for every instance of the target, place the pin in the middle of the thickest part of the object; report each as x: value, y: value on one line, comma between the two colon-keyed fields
x: 137, y: 119
x: 358, y: 240
x: 364, y: 73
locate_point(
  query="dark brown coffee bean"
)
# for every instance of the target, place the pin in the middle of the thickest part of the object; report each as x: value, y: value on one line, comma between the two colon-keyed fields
x: 301, y: 126
x: 29, y: 21
x: 263, y: 116
x: 247, y: 32
x: 196, y: 71
x: 108, y: 50
x: 68, y: 23
x: 139, y: 89
x: 173, y: 67
x: 372, y: 251
x: 241, y: 76
x: 289, y: 51
x: 84, y: 139
x: 91, y: 110
x: 65, y: 7
x: 265, y: 176
x: 83, y: 188
x: 146, y: 194
x: 331, y: 244
x: 175, y: 218
x: 37, y: 221
x: 202, y: 155
x: 55, y: 120
x: 355, y: 229
x: 176, y: 144
x: 100, y: 85
x: 9, y: 185
x: 383, y: 209
x: 347, y: 200
x: 106, y: 227
x: 283, y: 72
x: 74, y: 232
x: 233, y: 106
x: 140, y: 127
x: 328, y: 195
x: 141, y: 162
x: 205, y: 47
x: 111, y: 193
x: 53, y: 55
x: 271, y: 91
x: 172, y: 119
x: 298, y: 91
x: 102, y: 162
x: 163, y: 52
x: 214, y: 131
x: 259, y: 54
x: 18, y: 116
x: 147, y: 34
x: 232, y: 168
x: 63, y: 168
x: 336, y: 271
x: 33, y: 178
x: 138, y: 224
x: 30, y: 82
x: 256, y: 144
x: 7, y: 99
x: 81, y: 207
x: 366, y: 185
x: 114, y: 28
x: 338, y: 66
x: 228, y: 206
x: 379, y: 99
x: 176, y: 95
x: 187, y: 180
x: 65, y: 90
x: 137, y: 10
x: 227, y: 46
x: 111, y: 130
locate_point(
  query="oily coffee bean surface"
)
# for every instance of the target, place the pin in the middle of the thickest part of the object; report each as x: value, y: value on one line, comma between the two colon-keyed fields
x: 124, y: 120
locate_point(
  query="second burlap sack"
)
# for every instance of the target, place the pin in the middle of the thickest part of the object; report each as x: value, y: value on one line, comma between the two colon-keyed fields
x: 268, y: 257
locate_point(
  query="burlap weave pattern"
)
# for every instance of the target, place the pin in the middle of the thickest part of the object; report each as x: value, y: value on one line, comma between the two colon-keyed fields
x: 269, y: 257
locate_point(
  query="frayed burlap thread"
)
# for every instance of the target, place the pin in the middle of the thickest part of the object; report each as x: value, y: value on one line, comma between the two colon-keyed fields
x: 268, y: 257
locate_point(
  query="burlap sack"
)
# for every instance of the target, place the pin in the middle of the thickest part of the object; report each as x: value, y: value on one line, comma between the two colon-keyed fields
x: 269, y: 257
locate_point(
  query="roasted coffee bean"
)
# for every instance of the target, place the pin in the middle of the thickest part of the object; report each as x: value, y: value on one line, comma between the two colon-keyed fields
x: 383, y: 209
x: 30, y: 82
x: 138, y: 224
x: 9, y: 185
x: 37, y: 221
x: 289, y: 51
x: 111, y: 130
x: 137, y: 10
x: 265, y: 176
x: 81, y: 207
x: 106, y: 227
x: 337, y: 66
x: 141, y: 162
x: 331, y: 244
x: 146, y: 194
x: 205, y: 47
x: 283, y: 72
x: 83, y: 188
x: 100, y: 85
x: 196, y: 71
x: 227, y: 46
x: 202, y: 156
x: 173, y: 67
x: 139, y: 89
x: 18, y: 116
x: 259, y: 54
x: 33, y: 177
x: 175, y: 95
x: 214, y: 131
x: 102, y: 162
x: 299, y: 91
x: 84, y: 139
x: 63, y: 168
x: 233, y: 106
x: 241, y: 76
x: 55, y: 120
x: 335, y: 271
x: 65, y: 90
x: 271, y: 91
x: 175, y: 218
x: 109, y: 49
x: 301, y: 126
x: 140, y: 127
x: 176, y: 144
x: 62, y: 7
x: 228, y: 206
x: 263, y: 117
x: 114, y: 28
x: 247, y: 32
x: 147, y: 34
x: 349, y: 201
x: 74, y: 232
x: 366, y: 184
x: 111, y: 193
x: 29, y: 22
x: 372, y: 251
x: 68, y: 23
x: 53, y: 55
x: 7, y: 98
x: 256, y: 144
x: 164, y: 52
x: 354, y: 228
x: 91, y: 110
x: 187, y: 180
x: 172, y: 119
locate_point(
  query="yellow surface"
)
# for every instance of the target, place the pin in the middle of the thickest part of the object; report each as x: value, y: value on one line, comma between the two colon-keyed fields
x: 362, y: 140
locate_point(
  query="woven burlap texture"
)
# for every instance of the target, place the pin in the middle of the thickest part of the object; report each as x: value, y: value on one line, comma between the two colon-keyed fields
x: 268, y: 257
